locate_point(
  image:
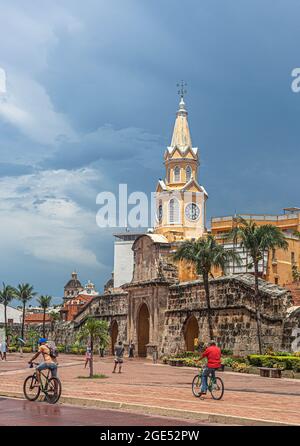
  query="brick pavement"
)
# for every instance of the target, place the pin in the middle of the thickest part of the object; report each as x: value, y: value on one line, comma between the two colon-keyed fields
x: 168, y: 389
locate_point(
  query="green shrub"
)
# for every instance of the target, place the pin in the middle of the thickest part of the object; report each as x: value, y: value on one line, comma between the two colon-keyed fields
x: 74, y: 350
x: 228, y: 362
x: 284, y: 362
x: 226, y: 352
x: 27, y: 349
x: 12, y: 348
x: 61, y: 348
x: 240, y: 367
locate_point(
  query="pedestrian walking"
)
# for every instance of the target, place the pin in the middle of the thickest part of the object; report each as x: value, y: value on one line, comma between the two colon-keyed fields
x: 154, y: 355
x: 119, y: 352
x: 3, y: 350
x: 131, y: 349
x: 88, y: 357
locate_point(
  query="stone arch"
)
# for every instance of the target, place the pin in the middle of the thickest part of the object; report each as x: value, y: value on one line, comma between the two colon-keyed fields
x: 190, y: 331
x: 114, y: 331
x: 143, y: 329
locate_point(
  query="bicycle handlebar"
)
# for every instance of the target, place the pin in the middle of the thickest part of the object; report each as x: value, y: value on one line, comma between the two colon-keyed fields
x: 31, y: 364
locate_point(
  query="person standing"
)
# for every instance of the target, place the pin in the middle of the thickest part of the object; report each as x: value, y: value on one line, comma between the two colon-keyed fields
x: 131, y: 349
x: 119, y: 352
x: 3, y: 350
x: 88, y: 357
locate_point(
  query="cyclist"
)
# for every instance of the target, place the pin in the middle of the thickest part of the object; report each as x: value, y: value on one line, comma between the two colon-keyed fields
x: 48, y: 363
x: 213, y: 355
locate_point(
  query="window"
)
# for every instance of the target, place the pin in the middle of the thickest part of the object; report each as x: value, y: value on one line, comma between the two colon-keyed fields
x: 173, y: 211
x: 292, y: 257
x: 188, y: 173
x: 177, y: 174
x: 276, y: 280
x: 160, y: 211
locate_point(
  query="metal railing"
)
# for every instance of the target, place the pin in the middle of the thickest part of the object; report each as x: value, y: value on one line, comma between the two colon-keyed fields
x: 257, y: 217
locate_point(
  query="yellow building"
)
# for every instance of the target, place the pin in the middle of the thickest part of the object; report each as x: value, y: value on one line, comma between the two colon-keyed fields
x: 278, y: 265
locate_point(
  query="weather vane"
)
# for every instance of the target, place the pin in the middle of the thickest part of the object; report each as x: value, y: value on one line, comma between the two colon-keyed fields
x: 182, y: 90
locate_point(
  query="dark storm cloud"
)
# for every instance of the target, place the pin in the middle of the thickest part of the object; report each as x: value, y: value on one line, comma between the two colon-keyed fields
x: 104, y: 75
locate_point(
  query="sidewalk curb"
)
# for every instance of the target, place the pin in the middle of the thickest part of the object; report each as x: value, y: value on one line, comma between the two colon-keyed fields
x: 161, y: 411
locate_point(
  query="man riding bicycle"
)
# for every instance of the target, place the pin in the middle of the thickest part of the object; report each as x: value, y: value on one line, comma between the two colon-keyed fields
x: 213, y: 355
x: 48, y: 363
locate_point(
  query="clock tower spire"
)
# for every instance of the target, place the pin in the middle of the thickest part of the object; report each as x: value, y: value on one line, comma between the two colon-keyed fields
x: 180, y: 200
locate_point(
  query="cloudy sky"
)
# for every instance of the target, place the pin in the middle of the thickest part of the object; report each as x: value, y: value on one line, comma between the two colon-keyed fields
x: 88, y: 99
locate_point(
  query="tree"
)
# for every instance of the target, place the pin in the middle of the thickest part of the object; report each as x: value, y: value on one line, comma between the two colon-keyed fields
x: 297, y: 234
x: 94, y: 330
x: 257, y: 240
x: 32, y: 336
x: 205, y: 253
x: 44, y: 302
x: 7, y: 294
x: 24, y: 292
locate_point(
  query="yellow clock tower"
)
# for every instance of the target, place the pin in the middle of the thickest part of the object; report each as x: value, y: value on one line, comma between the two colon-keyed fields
x: 180, y: 199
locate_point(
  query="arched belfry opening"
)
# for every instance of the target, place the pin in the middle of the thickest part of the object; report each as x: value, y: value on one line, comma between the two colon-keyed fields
x: 114, y: 331
x: 191, y: 331
x: 143, y: 329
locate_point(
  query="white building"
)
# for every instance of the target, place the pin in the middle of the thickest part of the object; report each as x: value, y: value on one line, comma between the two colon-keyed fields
x: 14, y: 316
x: 123, y: 257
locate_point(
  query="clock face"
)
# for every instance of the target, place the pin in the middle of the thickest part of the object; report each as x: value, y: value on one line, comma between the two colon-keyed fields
x: 192, y: 211
x: 160, y: 212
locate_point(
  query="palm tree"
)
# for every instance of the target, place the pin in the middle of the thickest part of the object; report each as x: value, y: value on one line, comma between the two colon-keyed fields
x: 44, y: 302
x: 24, y: 292
x: 91, y: 331
x: 7, y: 294
x: 257, y: 240
x: 205, y: 253
x: 297, y: 234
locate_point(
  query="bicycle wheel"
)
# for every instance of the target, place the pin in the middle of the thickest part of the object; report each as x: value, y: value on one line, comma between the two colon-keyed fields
x: 196, y: 386
x: 31, y: 388
x: 217, y: 388
x: 53, y: 390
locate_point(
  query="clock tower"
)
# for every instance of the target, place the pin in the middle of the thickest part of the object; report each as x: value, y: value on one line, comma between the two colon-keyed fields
x: 180, y: 199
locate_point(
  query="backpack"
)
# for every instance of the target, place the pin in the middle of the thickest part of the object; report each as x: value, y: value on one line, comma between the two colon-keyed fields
x: 53, y: 350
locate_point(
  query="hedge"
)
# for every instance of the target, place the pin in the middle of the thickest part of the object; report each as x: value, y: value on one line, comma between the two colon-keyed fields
x: 284, y: 362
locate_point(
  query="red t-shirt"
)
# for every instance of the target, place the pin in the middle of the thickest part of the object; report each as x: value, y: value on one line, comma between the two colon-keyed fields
x: 213, y: 355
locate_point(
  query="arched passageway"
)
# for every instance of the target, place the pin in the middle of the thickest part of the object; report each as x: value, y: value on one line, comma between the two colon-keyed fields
x: 143, y: 328
x: 191, y: 331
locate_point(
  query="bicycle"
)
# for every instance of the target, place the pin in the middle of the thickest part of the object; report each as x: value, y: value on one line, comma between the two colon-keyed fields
x: 215, y: 385
x: 51, y: 387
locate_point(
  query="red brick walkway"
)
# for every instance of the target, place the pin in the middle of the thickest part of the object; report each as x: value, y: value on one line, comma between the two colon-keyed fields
x: 162, y: 386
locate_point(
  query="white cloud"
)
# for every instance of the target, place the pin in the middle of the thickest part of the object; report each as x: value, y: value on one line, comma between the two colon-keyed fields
x: 27, y: 106
x: 2, y: 81
x: 39, y: 218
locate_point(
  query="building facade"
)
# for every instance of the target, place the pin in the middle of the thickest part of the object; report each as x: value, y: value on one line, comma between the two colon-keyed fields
x: 162, y: 307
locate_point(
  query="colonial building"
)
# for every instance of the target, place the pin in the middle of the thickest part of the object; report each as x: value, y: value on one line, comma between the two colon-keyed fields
x: 163, y: 305
x: 72, y: 287
x: 80, y: 297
